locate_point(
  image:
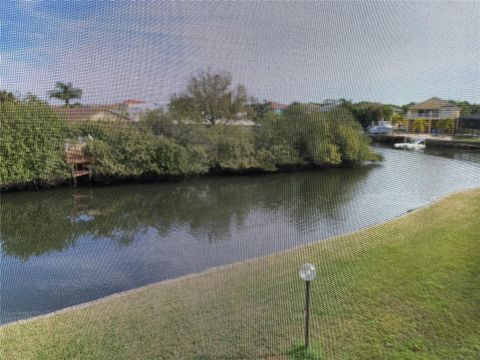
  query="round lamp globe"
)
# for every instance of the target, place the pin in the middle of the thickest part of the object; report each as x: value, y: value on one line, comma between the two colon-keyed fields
x: 307, y: 272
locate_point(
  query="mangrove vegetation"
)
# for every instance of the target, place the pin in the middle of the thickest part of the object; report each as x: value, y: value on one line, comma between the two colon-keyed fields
x: 200, y: 132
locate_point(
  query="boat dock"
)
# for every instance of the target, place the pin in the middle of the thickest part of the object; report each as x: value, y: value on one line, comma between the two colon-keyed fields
x: 431, y: 140
x: 79, y: 162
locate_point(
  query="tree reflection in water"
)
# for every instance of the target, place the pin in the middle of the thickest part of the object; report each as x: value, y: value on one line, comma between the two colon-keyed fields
x: 210, y: 208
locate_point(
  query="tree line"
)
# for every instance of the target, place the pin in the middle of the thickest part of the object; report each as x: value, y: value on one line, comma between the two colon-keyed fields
x: 194, y: 135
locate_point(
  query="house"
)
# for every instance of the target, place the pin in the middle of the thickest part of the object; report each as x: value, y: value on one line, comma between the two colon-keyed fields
x: 310, y: 107
x: 396, y: 110
x: 277, y: 108
x: 326, y: 106
x: 235, y: 122
x: 133, y: 102
x: 135, y: 108
x: 330, y: 104
x: 92, y: 113
x: 433, y: 111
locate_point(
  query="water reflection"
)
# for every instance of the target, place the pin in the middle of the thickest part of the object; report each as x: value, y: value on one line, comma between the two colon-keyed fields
x: 471, y: 156
x: 207, y: 209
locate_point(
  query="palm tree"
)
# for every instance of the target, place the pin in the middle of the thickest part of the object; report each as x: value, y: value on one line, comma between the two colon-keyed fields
x: 65, y: 92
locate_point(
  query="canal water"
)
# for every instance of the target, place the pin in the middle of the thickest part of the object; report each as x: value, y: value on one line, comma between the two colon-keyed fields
x: 63, y: 247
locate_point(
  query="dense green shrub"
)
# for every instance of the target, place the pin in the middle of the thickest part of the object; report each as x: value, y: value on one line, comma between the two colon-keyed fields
x: 174, y: 159
x: 31, y: 144
x: 234, y: 148
x: 126, y: 150
x: 33, y: 138
x: 303, y: 137
x: 119, y: 149
x: 352, y: 144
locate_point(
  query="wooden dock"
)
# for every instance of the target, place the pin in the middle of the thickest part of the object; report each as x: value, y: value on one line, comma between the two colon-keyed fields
x: 432, y: 140
x: 79, y: 162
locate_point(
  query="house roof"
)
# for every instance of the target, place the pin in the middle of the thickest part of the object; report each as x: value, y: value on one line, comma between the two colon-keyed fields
x: 278, y: 106
x: 82, y: 113
x: 432, y: 104
x: 133, y: 102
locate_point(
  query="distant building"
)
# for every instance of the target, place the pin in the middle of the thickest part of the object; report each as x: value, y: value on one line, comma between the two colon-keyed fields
x: 277, y: 108
x: 396, y: 110
x: 310, y: 107
x: 235, y: 122
x: 135, y: 108
x: 325, y: 106
x: 329, y: 105
x: 92, y: 113
x: 133, y: 102
x: 433, y: 110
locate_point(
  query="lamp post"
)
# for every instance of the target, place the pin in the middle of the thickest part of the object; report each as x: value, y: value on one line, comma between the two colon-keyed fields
x: 307, y: 273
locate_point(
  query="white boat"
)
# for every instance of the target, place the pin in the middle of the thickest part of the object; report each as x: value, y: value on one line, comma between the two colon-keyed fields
x: 413, y: 144
x: 383, y: 128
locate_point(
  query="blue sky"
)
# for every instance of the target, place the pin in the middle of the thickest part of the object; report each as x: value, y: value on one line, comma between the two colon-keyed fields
x: 393, y: 52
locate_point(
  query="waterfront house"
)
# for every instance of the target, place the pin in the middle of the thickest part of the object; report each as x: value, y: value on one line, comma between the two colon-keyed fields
x: 277, y: 108
x: 92, y: 113
x: 235, y: 122
x: 135, y: 108
x: 433, y: 111
x: 326, y: 106
x: 330, y: 104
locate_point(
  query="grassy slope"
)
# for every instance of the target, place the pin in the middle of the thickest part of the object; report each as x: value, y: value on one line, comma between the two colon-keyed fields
x: 407, y: 289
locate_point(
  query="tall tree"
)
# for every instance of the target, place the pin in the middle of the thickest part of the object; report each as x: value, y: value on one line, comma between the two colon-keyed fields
x: 366, y: 113
x: 387, y: 112
x: 260, y: 109
x: 210, y: 96
x: 65, y: 92
x: 466, y: 108
x: 6, y: 96
x: 399, y: 119
x: 407, y: 107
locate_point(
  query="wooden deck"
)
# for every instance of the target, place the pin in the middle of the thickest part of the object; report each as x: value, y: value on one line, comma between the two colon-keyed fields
x: 431, y: 140
x: 77, y: 159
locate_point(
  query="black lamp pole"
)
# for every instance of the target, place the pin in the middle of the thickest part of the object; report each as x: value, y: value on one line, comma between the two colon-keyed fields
x: 307, y: 272
x: 307, y: 312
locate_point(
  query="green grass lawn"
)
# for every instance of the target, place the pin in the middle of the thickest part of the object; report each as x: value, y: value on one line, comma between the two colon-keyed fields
x: 406, y: 289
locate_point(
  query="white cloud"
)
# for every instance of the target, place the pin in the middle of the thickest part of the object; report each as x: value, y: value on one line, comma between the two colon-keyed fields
x: 396, y: 52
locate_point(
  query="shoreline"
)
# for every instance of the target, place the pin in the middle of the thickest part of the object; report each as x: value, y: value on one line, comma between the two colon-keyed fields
x: 146, y: 179
x: 101, y: 182
x: 218, y: 268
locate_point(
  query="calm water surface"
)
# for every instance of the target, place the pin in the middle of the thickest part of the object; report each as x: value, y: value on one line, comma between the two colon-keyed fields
x: 64, y: 247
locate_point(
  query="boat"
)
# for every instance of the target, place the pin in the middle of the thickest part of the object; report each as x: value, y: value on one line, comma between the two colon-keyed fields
x: 413, y: 144
x: 383, y: 128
